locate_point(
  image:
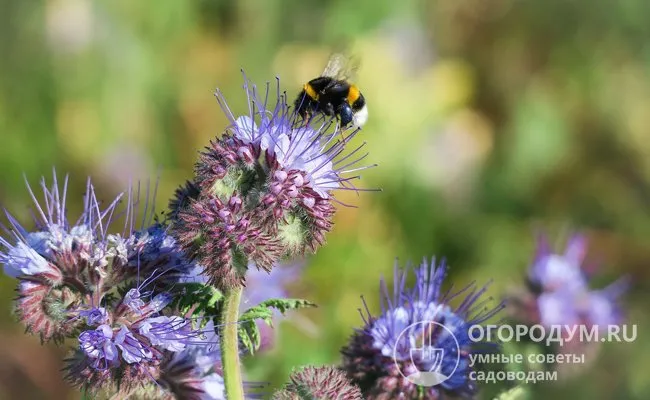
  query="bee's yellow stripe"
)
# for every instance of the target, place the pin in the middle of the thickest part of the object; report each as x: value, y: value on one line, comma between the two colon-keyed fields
x: 310, y: 91
x: 353, y: 94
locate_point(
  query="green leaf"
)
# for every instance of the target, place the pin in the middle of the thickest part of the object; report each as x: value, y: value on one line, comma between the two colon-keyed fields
x: 249, y: 336
x: 198, y: 298
x: 283, y: 305
x: 249, y: 333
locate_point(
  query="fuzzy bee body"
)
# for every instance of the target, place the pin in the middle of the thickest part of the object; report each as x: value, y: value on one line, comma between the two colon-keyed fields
x: 333, y: 95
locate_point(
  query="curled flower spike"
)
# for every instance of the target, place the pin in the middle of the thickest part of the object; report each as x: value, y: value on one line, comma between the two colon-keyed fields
x: 133, y: 344
x: 263, y: 191
x: 149, y: 361
x: 323, y: 156
x: 319, y: 383
x: 111, y: 291
x: 379, y: 356
x: 65, y: 267
x: 182, y: 198
x: 58, y: 264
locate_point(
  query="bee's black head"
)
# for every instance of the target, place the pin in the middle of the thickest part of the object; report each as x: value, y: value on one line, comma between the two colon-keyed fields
x: 345, y: 113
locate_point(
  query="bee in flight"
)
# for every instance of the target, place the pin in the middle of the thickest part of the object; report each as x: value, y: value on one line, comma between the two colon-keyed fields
x: 333, y: 94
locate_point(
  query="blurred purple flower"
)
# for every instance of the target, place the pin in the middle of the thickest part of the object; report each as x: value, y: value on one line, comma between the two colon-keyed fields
x: 551, y: 271
x: 561, y: 289
x: 262, y: 285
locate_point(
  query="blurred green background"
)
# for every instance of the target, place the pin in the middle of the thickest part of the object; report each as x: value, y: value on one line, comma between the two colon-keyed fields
x: 490, y: 119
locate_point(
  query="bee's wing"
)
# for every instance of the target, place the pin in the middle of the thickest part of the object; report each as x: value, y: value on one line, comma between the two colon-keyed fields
x: 341, y: 67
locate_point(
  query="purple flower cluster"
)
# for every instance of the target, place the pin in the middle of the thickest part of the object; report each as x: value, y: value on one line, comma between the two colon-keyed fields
x: 110, y: 291
x: 149, y: 348
x: 561, y: 293
x: 141, y: 305
x: 139, y: 302
x: 379, y: 357
x: 262, y: 191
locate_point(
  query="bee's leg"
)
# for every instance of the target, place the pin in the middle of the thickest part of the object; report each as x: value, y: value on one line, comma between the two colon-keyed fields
x: 302, y: 103
x: 307, y: 118
x: 328, y: 109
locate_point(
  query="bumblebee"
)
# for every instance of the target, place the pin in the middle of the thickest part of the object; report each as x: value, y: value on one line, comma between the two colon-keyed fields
x: 333, y: 94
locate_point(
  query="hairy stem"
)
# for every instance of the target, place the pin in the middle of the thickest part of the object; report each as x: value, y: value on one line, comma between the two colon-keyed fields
x: 230, y: 345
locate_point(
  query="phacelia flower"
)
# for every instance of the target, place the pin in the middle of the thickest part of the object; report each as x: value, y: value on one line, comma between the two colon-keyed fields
x: 319, y: 383
x: 559, y: 290
x: 99, y: 347
x: 111, y: 291
x: 95, y: 316
x: 166, y: 332
x: 550, y: 271
x: 263, y: 190
x: 58, y: 263
x: 383, y: 357
x: 149, y: 365
x: 65, y: 269
x: 23, y: 260
x: 133, y: 347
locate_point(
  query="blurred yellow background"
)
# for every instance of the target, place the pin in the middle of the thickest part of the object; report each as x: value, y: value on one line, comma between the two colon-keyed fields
x: 489, y: 119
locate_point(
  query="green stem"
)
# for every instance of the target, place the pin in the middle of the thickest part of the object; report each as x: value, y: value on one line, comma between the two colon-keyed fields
x: 230, y: 345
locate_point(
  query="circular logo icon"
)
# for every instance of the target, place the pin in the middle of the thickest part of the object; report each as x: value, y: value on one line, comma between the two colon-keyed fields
x: 425, y: 355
